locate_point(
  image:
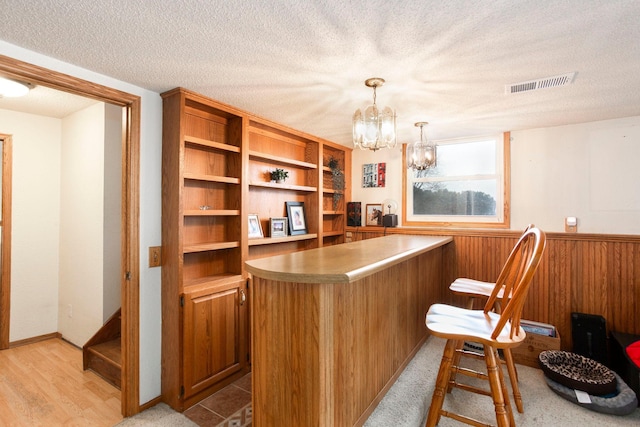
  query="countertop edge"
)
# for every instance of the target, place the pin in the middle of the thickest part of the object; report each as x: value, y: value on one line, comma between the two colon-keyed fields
x: 347, y: 276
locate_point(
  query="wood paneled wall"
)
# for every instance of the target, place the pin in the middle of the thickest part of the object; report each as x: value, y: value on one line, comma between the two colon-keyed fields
x: 585, y: 273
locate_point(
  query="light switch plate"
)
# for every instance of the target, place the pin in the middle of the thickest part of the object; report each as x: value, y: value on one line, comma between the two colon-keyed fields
x: 155, y: 256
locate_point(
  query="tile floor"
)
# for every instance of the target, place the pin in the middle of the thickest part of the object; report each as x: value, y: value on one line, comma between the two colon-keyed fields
x: 229, y: 407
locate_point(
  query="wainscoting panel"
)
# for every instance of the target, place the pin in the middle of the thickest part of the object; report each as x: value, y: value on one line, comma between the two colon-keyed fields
x: 585, y: 273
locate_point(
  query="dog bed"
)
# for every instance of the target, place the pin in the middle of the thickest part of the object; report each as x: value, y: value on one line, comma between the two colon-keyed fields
x: 578, y: 372
x: 623, y: 402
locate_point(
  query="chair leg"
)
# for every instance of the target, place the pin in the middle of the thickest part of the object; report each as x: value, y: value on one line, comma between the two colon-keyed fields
x: 437, y: 399
x: 505, y: 391
x: 497, y: 385
x: 456, y: 362
x: 513, y: 377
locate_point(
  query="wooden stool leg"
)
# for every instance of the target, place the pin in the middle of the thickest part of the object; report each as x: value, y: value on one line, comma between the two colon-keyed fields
x: 513, y: 376
x: 437, y: 399
x: 505, y: 391
x: 456, y: 362
x: 497, y: 386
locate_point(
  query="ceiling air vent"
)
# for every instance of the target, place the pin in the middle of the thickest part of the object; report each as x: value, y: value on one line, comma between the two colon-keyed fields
x: 555, y: 81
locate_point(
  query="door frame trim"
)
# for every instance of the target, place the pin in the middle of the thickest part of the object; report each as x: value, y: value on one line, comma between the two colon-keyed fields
x: 130, y: 227
x: 5, y: 245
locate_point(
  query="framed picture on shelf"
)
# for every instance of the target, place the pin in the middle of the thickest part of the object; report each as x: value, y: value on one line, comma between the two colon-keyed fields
x: 297, y: 219
x: 278, y: 227
x: 374, y: 214
x: 255, y: 229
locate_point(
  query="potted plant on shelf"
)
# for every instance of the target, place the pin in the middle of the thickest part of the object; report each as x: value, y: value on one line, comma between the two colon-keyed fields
x: 279, y: 175
x: 337, y: 179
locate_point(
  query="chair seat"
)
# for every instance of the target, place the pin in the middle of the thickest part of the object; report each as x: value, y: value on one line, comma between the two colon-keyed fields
x: 473, y: 288
x: 453, y: 322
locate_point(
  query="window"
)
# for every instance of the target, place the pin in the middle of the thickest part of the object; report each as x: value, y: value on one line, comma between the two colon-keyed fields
x: 468, y: 187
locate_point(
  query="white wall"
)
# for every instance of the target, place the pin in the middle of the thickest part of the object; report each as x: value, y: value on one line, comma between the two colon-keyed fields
x: 588, y: 171
x: 112, y: 251
x: 36, y: 221
x: 585, y: 170
x: 150, y: 207
x: 58, y: 252
x: 393, y: 185
x: 80, y: 295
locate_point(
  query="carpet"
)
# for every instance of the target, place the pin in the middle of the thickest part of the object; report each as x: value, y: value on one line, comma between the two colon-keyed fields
x: 160, y: 415
x: 407, y: 402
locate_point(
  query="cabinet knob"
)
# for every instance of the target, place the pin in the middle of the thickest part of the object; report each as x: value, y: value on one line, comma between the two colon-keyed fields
x: 243, y: 297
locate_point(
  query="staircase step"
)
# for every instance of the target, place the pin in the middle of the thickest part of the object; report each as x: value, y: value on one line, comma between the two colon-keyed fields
x: 105, y: 359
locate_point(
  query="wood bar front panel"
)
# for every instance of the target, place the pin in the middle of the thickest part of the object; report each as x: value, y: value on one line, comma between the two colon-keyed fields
x: 585, y: 273
x: 325, y: 354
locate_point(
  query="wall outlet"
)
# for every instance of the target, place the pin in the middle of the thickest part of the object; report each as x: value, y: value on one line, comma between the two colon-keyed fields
x: 155, y: 256
x: 571, y: 224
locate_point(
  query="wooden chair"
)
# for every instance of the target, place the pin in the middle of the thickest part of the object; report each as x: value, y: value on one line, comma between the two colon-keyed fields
x: 476, y: 290
x: 491, y: 329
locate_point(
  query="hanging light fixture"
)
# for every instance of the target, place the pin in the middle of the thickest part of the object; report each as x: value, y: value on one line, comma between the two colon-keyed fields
x: 421, y: 154
x: 374, y: 128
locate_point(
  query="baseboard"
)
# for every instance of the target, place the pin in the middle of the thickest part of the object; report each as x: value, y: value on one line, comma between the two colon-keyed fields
x: 31, y: 340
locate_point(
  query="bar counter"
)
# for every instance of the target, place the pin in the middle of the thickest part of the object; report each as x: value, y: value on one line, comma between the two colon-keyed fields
x: 332, y: 328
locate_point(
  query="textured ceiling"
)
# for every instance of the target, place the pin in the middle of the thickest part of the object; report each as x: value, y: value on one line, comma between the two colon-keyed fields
x: 304, y: 63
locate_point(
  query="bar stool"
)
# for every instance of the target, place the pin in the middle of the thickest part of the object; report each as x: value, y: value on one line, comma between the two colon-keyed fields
x: 495, y: 331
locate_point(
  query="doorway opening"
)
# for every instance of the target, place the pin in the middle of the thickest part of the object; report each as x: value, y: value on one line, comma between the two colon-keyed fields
x: 130, y: 265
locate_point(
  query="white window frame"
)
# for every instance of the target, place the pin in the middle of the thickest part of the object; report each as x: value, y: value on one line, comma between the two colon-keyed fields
x: 502, y: 176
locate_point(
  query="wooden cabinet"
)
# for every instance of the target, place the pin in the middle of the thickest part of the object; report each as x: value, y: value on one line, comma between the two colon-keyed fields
x: 216, y: 164
x: 306, y: 158
x: 271, y: 147
x: 213, y: 329
x: 336, y: 172
x: 204, y: 343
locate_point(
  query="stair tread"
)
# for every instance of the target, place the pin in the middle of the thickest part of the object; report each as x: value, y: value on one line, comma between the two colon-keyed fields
x: 110, y: 350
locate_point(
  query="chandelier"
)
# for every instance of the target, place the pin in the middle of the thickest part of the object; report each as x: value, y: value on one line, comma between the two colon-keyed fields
x: 374, y: 128
x: 421, y: 154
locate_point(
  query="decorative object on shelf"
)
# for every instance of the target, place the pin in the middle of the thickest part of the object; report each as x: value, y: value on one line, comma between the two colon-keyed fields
x: 354, y: 214
x: 337, y: 180
x: 297, y: 219
x: 278, y: 227
x: 421, y: 154
x: 279, y: 175
x: 389, y: 219
x: 374, y: 175
x: 374, y: 128
x: 255, y: 229
x: 374, y: 214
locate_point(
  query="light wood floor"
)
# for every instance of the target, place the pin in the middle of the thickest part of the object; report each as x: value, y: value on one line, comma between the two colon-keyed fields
x: 43, y: 384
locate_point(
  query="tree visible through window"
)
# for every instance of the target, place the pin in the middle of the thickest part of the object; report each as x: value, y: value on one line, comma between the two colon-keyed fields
x: 466, y: 187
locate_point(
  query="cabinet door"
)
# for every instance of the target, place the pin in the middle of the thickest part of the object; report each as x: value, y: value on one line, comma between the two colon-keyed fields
x: 214, y: 325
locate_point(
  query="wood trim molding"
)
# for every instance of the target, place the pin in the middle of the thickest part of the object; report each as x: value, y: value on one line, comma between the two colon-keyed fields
x: 36, y: 339
x: 130, y: 279
x: 5, y: 245
x: 432, y: 231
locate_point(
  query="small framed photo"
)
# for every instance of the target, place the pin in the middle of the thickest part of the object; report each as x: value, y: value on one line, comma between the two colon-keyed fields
x: 374, y: 214
x: 255, y: 229
x: 297, y: 219
x: 278, y: 227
